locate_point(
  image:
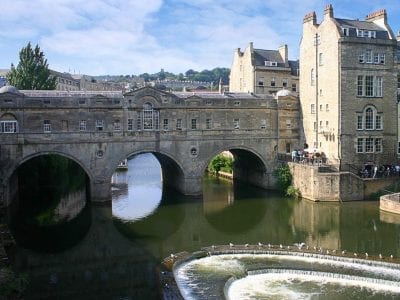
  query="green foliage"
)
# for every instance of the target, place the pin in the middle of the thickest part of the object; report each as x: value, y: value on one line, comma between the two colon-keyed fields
x: 221, y: 163
x: 12, y: 286
x: 284, y: 177
x: 32, y: 72
x: 291, y: 191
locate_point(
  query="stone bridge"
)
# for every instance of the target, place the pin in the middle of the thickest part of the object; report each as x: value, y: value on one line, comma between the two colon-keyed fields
x: 183, y: 130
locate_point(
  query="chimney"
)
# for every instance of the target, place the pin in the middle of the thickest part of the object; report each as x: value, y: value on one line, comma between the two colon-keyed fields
x: 220, y: 90
x: 251, y: 46
x: 377, y: 15
x: 398, y: 36
x: 310, y: 17
x: 283, y: 51
x: 328, y: 11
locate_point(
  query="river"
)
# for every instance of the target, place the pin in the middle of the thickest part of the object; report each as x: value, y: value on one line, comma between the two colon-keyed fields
x: 112, y: 251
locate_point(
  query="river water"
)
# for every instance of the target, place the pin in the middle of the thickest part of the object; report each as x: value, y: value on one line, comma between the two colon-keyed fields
x: 111, y: 252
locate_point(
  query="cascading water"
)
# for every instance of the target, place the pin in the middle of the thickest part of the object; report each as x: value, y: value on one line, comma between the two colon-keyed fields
x: 281, y: 274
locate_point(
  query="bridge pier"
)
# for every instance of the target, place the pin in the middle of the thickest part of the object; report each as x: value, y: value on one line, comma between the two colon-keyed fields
x: 191, y: 186
x: 100, y: 191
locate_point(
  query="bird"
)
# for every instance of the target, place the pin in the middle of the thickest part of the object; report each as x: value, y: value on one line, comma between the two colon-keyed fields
x: 315, y: 248
x: 343, y: 252
x: 231, y: 245
x: 288, y: 247
x: 334, y: 251
x: 380, y: 255
x: 260, y: 244
x: 173, y: 256
x: 213, y: 246
x: 366, y: 255
x: 355, y: 254
x: 269, y: 245
x: 391, y: 256
x: 280, y: 246
x: 327, y: 251
x: 246, y: 245
x: 307, y: 247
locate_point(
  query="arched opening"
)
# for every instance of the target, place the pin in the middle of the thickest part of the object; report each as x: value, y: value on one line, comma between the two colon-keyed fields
x: 8, y: 123
x: 139, y: 182
x: 228, y: 173
x: 50, y: 210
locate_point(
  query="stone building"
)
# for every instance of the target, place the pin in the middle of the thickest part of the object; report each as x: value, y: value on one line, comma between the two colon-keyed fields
x: 348, y: 88
x: 261, y: 71
x: 65, y: 81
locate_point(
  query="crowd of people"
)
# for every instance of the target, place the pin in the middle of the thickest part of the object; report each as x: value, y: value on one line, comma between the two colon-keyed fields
x: 375, y: 171
x: 308, y: 156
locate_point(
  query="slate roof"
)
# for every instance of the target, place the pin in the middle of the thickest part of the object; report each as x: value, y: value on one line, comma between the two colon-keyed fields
x: 364, y: 25
x: 260, y: 56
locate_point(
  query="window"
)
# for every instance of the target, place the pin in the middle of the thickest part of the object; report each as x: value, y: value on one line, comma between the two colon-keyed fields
x: 294, y: 87
x: 315, y: 126
x: 273, y: 81
x: 208, y: 123
x: 313, y: 108
x: 99, y: 125
x: 148, y: 116
x: 376, y: 58
x: 368, y: 56
x: 194, y: 124
x: 288, y: 148
x: 360, y: 145
x: 236, y: 123
x: 369, y: 119
x: 361, y: 58
x: 398, y: 148
x: 288, y: 123
x: 82, y: 125
x: 46, y: 126
x: 359, y: 122
x: 378, y: 145
x: 263, y: 124
x: 369, y: 86
x: 165, y: 124
x: 284, y: 82
x: 327, y: 107
x: 312, y: 77
x: 130, y: 124
x: 9, y: 126
x: 369, y: 145
x: 320, y: 107
x: 320, y: 59
x: 261, y: 81
x: 345, y: 31
x: 366, y: 33
x: 382, y: 58
x: 178, y: 124
x: 117, y: 125
x: 208, y: 102
x: 139, y: 121
x: 378, y: 122
x: 236, y: 103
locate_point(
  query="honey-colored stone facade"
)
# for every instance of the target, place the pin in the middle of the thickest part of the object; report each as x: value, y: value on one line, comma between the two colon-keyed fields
x: 348, y: 88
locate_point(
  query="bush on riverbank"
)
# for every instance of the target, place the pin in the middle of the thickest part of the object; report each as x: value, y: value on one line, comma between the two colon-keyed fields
x: 284, y: 181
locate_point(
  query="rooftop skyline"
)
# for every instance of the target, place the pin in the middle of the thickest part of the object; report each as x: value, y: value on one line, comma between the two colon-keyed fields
x: 98, y: 37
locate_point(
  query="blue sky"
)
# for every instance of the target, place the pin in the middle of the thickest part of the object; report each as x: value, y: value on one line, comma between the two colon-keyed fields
x: 135, y: 36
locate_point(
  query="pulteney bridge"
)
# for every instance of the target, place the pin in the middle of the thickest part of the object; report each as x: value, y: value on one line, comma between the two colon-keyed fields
x: 183, y: 130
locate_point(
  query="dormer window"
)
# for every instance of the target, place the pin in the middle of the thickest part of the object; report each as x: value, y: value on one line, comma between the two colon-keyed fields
x: 345, y: 31
x: 366, y: 33
x: 270, y: 63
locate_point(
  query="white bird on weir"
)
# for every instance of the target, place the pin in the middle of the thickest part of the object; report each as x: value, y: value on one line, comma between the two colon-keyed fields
x: 380, y: 255
x: 231, y: 245
x: 260, y: 244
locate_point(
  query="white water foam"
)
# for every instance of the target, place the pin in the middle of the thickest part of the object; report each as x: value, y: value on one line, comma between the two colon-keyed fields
x: 284, y: 284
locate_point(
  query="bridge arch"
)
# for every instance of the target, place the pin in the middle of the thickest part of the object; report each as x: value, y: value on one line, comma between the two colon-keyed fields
x: 173, y: 174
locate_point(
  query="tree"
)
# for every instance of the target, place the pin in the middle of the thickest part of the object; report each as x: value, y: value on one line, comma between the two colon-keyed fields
x: 32, y: 72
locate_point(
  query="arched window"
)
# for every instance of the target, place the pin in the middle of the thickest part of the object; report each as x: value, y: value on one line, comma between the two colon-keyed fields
x: 8, y: 124
x: 369, y: 119
x: 149, y: 117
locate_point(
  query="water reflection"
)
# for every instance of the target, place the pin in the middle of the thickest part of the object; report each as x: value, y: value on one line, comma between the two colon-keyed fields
x: 51, y: 199
x: 137, y: 192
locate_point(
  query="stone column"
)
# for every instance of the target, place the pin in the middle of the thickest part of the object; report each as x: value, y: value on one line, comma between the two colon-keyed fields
x: 191, y: 186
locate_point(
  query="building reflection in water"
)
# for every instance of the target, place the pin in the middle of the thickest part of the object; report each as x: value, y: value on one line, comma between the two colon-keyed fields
x: 320, y: 221
x: 70, y: 205
x: 217, y: 194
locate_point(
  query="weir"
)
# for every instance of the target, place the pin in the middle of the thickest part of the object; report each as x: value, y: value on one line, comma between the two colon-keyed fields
x: 237, y: 265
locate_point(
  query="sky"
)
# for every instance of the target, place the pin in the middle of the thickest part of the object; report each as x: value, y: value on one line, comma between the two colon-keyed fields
x: 125, y: 37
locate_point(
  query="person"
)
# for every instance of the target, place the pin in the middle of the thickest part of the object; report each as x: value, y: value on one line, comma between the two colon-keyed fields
x: 375, y: 171
x: 294, y: 154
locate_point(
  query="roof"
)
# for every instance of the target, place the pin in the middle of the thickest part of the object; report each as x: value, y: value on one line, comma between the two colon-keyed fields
x: 76, y: 94
x: 381, y: 33
x: 261, y: 55
x: 210, y: 95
